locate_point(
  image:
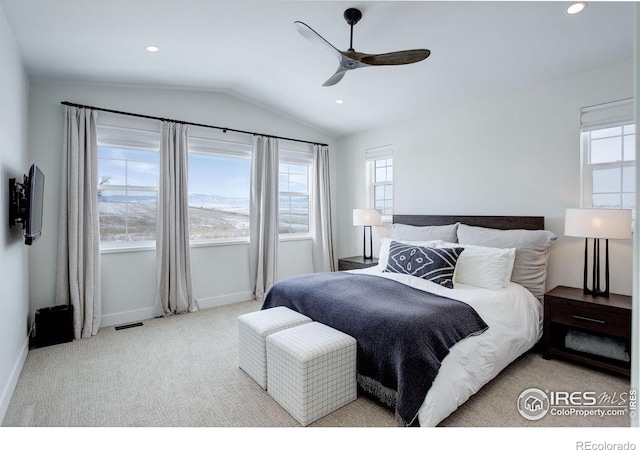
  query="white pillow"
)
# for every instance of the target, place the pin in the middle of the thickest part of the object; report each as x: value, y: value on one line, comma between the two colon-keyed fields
x: 383, y: 255
x: 532, y: 252
x: 485, y: 267
x: 403, y: 232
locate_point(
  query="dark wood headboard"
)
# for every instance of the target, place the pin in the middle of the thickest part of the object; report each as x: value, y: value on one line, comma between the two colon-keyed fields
x: 498, y: 222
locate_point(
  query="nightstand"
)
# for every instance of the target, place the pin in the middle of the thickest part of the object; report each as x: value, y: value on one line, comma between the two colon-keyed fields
x: 356, y: 262
x: 568, y: 312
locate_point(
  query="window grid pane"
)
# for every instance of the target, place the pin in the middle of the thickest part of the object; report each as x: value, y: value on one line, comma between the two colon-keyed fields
x: 293, y: 208
x: 382, y: 185
x: 612, y: 176
x: 127, y: 194
x: 606, y: 150
x: 383, y: 198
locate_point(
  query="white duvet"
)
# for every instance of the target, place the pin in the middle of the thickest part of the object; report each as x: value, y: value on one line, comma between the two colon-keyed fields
x: 514, y: 316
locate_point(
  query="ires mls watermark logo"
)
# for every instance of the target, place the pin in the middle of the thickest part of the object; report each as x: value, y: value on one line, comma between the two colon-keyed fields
x: 534, y: 403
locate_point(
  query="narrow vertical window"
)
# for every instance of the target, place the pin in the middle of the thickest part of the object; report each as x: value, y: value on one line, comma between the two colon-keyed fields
x: 379, y: 168
x: 294, y: 189
x: 608, y: 154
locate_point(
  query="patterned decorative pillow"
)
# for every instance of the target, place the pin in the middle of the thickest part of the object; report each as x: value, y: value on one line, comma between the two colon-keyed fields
x: 433, y: 264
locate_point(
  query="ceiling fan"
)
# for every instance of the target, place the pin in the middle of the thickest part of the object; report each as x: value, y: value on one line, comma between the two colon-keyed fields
x: 350, y: 59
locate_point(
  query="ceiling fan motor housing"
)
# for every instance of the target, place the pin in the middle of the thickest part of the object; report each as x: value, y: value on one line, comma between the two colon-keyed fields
x: 352, y: 16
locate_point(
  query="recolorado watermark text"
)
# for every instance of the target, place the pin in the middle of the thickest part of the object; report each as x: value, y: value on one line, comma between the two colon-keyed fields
x: 588, y: 445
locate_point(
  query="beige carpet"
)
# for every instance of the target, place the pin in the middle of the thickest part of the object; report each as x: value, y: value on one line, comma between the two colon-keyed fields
x: 181, y: 371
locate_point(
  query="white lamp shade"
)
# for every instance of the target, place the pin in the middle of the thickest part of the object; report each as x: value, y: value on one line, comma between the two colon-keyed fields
x: 366, y: 217
x: 598, y: 223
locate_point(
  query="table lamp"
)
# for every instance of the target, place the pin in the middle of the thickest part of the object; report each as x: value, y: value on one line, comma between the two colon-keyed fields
x: 597, y: 224
x: 367, y: 218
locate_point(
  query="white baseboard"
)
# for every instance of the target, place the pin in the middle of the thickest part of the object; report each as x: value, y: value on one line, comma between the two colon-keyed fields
x: 13, y: 380
x: 137, y: 315
x: 204, y: 303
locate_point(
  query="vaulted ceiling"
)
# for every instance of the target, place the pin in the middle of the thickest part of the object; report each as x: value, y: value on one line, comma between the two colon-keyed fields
x: 251, y: 50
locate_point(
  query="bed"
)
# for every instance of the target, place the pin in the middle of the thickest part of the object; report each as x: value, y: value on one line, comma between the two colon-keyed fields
x: 452, y: 302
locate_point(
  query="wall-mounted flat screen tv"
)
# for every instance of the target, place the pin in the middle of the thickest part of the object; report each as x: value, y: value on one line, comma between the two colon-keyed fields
x: 26, y: 204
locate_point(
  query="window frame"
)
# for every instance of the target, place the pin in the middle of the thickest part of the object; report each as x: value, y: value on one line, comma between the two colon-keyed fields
x: 372, y: 156
x: 135, y: 139
x: 303, y: 158
x: 144, y: 139
x: 598, y: 118
x: 223, y: 148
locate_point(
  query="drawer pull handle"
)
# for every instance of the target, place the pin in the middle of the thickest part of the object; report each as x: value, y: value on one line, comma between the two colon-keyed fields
x: 589, y: 319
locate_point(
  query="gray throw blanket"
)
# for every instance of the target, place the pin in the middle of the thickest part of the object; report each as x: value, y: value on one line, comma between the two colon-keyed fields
x: 403, y: 333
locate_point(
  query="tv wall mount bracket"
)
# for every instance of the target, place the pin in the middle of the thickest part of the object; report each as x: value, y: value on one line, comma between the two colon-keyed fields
x: 18, y: 202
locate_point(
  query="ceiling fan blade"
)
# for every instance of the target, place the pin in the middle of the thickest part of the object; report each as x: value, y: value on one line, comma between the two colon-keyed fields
x: 393, y: 58
x: 309, y: 33
x: 336, y: 77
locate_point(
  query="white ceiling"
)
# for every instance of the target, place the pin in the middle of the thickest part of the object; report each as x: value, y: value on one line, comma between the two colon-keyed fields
x: 250, y: 49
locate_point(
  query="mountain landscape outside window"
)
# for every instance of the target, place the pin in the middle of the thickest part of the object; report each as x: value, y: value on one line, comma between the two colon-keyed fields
x: 218, y: 191
x: 293, y: 213
x: 127, y: 194
x: 218, y: 196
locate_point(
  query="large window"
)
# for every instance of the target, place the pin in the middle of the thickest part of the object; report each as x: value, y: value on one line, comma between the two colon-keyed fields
x: 380, y: 180
x: 219, y: 186
x: 293, y: 211
x: 128, y: 164
x: 219, y: 189
x: 608, y: 155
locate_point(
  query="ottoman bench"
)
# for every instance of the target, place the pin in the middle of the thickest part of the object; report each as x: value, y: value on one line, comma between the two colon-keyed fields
x: 253, y: 329
x: 311, y: 370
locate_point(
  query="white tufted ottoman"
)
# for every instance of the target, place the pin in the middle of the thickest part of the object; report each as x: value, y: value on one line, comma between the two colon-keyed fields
x: 253, y: 329
x: 311, y: 370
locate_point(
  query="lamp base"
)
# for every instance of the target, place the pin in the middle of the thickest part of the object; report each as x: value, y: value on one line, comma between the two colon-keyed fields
x: 364, y: 243
x: 595, y: 291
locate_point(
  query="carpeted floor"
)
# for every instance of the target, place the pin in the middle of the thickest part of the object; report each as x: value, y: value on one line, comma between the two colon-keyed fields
x: 182, y: 371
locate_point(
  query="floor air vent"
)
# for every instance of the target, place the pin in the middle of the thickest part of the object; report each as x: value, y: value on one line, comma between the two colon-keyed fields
x: 130, y: 325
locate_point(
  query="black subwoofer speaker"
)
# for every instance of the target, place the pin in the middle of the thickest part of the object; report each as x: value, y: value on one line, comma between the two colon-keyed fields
x: 54, y: 325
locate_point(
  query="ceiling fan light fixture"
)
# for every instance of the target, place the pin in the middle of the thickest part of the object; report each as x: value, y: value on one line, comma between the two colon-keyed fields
x: 339, y: 101
x: 577, y: 7
x: 152, y: 48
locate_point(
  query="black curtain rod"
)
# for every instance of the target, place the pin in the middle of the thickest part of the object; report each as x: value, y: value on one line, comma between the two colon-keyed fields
x: 224, y: 129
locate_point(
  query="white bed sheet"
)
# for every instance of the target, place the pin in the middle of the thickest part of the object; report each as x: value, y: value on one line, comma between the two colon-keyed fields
x: 514, y: 316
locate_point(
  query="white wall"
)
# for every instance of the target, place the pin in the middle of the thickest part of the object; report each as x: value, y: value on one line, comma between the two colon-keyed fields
x: 514, y: 154
x: 221, y: 272
x: 14, y: 255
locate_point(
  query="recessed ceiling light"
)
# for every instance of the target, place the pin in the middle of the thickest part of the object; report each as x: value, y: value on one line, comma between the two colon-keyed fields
x: 339, y: 101
x: 152, y: 48
x: 575, y: 8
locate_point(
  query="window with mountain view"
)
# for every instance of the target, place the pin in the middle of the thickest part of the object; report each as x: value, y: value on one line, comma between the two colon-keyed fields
x: 127, y: 194
x: 218, y: 196
x: 293, y: 211
x: 219, y: 189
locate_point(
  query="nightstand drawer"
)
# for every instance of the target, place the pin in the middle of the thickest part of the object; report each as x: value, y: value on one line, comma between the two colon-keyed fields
x: 601, y: 320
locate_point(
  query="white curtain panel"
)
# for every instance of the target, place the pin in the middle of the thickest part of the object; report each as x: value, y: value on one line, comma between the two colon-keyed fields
x: 174, y: 294
x: 263, y: 247
x: 323, y: 260
x: 78, y: 276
